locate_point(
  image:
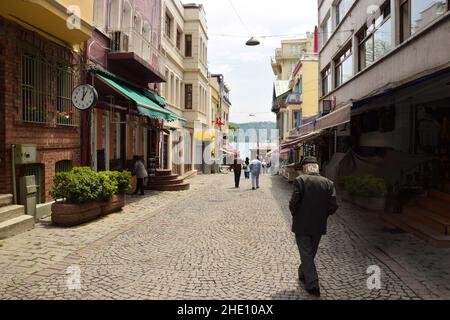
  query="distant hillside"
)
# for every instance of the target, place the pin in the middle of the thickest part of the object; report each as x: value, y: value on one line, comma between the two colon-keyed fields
x: 266, y: 125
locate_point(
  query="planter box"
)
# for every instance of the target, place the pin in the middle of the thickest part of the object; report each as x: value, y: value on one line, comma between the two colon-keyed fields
x: 69, y: 215
x: 115, y: 205
x: 373, y: 204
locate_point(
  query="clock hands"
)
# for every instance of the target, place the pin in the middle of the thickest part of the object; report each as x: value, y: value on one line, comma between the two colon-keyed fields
x: 84, y: 94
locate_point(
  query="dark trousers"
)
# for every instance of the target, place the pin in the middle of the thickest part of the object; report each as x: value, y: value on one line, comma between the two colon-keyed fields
x: 237, y: 178
x: 140, y: 186
x: 307, y: 246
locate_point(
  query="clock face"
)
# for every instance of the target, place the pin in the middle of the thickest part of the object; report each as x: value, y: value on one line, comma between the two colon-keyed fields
x: 84, y: 97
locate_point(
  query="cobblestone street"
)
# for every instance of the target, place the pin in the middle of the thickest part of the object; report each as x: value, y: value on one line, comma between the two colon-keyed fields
x: 211, y: 242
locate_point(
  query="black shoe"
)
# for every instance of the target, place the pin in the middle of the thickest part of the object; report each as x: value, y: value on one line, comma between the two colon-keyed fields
x: 253, y: 189
x: 314, y: 291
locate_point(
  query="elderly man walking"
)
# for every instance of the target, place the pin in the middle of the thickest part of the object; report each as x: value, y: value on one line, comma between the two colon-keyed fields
x: 313, y: 201
x: 255, y: 170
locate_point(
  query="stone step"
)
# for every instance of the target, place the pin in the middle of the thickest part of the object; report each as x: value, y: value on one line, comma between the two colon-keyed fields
x: 10, y: 212
x: 163, y: 178
x: 443, y: 196
x: 16, y: 226
x: 435, y: 205
x: 6, y: 200
x: 434, y: 221
x: 176, y: 187
x: 165, y: 182
x: 417, y: 229
x: 163, y: 172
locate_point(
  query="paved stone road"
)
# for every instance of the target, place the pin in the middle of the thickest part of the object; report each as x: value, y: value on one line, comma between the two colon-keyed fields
x: 212, y: 242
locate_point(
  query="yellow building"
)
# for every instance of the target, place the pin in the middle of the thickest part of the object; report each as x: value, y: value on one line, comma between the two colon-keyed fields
x: 287, y: 57
x: 303, y: 101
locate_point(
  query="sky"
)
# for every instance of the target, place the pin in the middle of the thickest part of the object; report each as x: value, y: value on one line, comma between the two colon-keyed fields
x: 247, y: 69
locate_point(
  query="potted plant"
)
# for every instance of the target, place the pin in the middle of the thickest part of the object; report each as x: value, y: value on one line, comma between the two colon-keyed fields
x: 122, y: 181
x: 367, y: 192
x: 76, y: 193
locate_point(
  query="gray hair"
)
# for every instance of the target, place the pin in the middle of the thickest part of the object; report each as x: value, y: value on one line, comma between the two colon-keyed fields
x: 311, y: 168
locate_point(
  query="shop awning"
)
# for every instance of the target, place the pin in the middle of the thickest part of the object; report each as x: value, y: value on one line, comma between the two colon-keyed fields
x: 334, y: 119
x: 162, y: 102
x: 293, y: 143
x: 145, y: 106
x: 284, y: 151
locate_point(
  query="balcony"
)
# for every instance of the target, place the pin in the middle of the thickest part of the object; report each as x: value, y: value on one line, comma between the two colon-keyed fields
x: 294, y: 99
x: 49, y: 18
x: 134, y: 57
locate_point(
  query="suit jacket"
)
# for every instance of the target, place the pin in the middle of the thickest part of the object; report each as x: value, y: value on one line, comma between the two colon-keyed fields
x: 313, y: 201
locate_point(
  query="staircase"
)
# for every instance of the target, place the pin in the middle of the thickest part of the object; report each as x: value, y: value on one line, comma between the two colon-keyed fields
x: 13, y: 219
x: 427, y: 217
x: 164, y: 180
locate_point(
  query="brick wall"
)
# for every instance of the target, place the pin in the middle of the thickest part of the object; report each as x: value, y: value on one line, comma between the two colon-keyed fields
x: 55, y: 143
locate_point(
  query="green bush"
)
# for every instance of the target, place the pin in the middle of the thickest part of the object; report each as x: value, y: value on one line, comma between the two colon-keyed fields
x: 123, y: 180
x: 81, y: 185
x: 363, y: 186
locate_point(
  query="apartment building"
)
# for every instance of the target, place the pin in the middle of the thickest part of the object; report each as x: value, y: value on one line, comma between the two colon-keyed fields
x: 125, y: 65
x: 384, y: 93
x: 187, y: 91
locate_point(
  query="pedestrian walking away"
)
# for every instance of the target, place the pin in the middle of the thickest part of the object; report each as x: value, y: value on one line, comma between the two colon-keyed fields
x: 246, y: 167
x: 255, y: 170
x: 313, y: 201
x: 141, y: 175
x: 237, y: 169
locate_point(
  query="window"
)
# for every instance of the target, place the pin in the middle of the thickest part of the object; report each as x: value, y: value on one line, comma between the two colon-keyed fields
x: 341, y: 9
x: 168, y: 25
x: 188, y: 45
x: 66, y: 114
x: 63, y: 166
x: 375, y: 38
x: 326, y: 81
x: 99, y: 14
x: 344, y: 66
x: 326, y: 29
x: 296, y: 119
x: 188, y: 97
x: 178, y: 39
x: 416, y: 14
x: 47, y: 90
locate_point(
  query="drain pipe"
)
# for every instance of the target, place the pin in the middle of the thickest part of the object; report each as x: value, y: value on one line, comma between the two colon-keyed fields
x: 13, y: 167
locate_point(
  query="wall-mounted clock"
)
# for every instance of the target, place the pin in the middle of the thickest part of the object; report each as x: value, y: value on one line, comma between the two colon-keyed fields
x: 84, y: 97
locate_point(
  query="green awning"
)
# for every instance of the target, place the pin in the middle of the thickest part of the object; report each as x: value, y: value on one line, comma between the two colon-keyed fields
x: 146, y: 106
x: 159, y: 100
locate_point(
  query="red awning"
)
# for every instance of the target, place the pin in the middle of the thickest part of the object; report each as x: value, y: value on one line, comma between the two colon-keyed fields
x: 284, y: 151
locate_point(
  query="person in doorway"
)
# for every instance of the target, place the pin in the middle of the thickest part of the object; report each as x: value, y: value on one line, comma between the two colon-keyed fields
x: 246, y: 167
x: 141, y: 175
x: 237, y: 169
x: 313, y: 201
x: 255, y: 170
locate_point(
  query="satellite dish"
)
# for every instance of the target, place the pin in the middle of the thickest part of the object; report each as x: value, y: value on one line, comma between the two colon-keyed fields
x: 253, y: 42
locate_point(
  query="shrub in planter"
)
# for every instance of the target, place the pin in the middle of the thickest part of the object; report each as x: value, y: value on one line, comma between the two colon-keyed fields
x: 121, y: 183
x: 365, y: 191
x: 123, y: 180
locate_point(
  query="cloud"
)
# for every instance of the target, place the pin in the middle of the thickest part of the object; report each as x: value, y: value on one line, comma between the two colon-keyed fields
x: 247, y: 69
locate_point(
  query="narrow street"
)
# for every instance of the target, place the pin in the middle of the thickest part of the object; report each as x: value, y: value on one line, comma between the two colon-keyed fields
x: 211, y: 242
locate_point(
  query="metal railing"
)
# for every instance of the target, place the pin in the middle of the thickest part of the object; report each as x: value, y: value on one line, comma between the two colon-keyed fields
x: 46, y: 92
x: 129, y: 40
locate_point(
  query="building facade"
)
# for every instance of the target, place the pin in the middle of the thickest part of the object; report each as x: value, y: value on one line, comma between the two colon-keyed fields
x: 41, y: 46
x: 125, y: 65
x: 384, y: 93
x: 184, y: 46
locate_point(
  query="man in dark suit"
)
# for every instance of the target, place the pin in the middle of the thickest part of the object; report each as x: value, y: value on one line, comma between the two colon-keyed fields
x: 313, y: 201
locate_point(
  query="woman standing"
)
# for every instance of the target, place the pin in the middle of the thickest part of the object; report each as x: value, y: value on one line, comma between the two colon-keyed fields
x: 247, y: 168
x: 141, y: 174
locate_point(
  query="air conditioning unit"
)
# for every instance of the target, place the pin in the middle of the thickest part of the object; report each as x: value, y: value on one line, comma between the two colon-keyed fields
x: 119, y: 42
